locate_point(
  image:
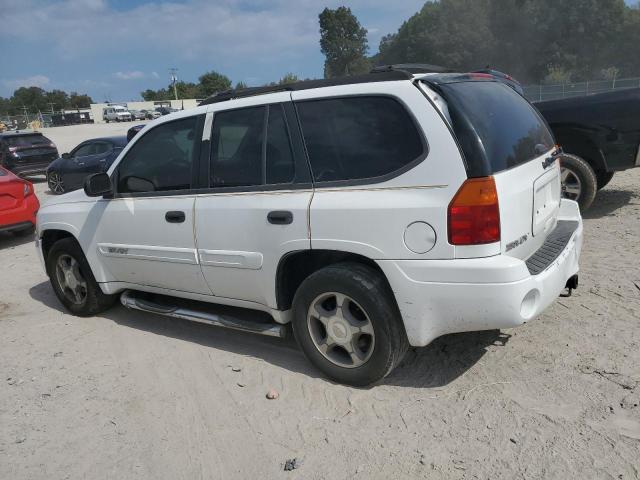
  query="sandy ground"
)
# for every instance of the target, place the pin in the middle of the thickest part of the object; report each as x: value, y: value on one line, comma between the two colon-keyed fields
x: 128, y: 395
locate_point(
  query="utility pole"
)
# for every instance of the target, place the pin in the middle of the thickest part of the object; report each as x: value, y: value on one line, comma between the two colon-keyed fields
x: 51, y: 104
x: 174, y: 78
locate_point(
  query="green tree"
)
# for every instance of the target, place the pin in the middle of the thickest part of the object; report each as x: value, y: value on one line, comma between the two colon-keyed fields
x: 212, y: 82
x: 240, y: 85
x: 288, y: 78
x: 534, y: 40
x: 343, y: 41
x: 77, y: 100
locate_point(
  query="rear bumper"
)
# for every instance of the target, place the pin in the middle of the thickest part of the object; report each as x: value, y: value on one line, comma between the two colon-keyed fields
x: 437, y: 297
x: 21, y: 217
x: 30, y: 168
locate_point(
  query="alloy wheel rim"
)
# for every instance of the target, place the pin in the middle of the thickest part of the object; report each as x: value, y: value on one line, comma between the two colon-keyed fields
x: 55, y: 183
x: 571, y: 184
x: 70, y: 279
x: 341, y: 330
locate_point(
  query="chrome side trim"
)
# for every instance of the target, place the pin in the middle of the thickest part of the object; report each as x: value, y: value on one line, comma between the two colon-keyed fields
x: 231, y: 259
x: 149, y: 252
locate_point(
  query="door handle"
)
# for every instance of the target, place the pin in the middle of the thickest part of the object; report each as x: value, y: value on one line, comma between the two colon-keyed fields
x: 280, y: 217
x: 174, y: 217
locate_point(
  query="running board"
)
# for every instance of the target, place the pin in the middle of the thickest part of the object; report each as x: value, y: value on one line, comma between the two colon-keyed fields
x: 133, y: 300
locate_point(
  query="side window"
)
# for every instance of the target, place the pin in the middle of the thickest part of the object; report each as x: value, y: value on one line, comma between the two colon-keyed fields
x: 161, y: 160
x: 242, y: 155
x: 358, y: 137
x: 83, y: 150
x: 100, y: 147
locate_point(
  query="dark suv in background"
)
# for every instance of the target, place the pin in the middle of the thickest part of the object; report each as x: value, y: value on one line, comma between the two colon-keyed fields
x: 26, y: 153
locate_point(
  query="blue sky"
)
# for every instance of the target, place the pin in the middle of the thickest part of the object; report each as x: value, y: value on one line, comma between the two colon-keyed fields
x: 116, y: 48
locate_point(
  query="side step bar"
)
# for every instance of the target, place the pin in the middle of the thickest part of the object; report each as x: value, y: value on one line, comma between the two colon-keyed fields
x: 272, y: 329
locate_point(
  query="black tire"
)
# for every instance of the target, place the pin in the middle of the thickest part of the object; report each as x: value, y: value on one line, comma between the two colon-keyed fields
x: 603, y: 178
x: 370, y: 290
x: 584, y: 175
x: 52, y: 186
x: 25, y: 232
x: 95, y: 301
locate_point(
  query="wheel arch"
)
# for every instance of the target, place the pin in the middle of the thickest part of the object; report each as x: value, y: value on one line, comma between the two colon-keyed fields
x: 296, y: 266
x: 578, y: 142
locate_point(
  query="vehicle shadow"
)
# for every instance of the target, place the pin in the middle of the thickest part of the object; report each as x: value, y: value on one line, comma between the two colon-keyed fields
x: 445, y: 359
x: 9, y: 240
x: 607, y: 202
x: 433, y: 366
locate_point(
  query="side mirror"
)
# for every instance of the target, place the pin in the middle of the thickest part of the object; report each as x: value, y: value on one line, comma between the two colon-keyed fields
x: 66, y: 156
x: 98, y: 185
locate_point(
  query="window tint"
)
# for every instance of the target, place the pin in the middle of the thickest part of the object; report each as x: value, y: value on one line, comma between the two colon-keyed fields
x: 161, y: 159
x: 100, y: 147
x: 83, y: 150
x: 240, y: 154
x: 27, y: 140
x: 280, y: 168
x: 358, y: 137
x: 496, y: 128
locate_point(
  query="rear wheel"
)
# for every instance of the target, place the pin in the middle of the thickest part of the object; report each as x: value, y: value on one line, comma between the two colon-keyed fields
x: 603, y: 178
x: 73, y: 281
x: 56, y: 185
x: 579, y: 182
x: 348, y: 324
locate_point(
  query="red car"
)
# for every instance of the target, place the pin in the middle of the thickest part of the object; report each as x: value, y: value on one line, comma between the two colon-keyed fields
x: 18, y: 204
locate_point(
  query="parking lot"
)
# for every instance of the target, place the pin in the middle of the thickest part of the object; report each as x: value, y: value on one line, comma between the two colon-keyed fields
x: 133, y: 395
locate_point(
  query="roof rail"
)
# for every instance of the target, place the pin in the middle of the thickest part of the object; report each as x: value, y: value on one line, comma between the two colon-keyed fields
x: 381, y: 76
x: 411, y: 68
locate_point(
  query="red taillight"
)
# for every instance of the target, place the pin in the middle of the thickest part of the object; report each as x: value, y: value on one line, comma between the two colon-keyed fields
x: 474, y: 213
x: 481, y: 76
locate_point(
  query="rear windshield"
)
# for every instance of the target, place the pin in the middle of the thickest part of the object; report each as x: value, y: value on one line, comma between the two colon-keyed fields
x: 496, y: 128
x: 27, y: 140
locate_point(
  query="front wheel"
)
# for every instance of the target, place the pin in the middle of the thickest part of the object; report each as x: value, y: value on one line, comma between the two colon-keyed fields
x: 348, y: 325
x: 578, y: 180
x: 73, y: 281
x: 56, y: 185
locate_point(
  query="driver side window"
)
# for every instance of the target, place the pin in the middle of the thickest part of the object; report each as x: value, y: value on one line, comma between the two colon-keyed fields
x: 83, y: 150
x: 161, y: 160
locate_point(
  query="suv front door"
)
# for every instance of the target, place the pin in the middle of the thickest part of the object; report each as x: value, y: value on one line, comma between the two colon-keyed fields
x: 144, y: 235
x: 256, y: 209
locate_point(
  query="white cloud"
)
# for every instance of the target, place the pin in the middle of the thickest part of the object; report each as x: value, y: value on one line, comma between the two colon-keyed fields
x: 223, y: 31
x: 155, y: 75
x: 134, y: 75
x: 33, y: 81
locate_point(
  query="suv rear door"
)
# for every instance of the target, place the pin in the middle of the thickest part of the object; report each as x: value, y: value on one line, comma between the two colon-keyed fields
x: 255, y: 208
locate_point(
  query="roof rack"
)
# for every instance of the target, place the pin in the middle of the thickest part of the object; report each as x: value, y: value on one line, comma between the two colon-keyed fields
x: 411, y: 68
x: 381, y: 76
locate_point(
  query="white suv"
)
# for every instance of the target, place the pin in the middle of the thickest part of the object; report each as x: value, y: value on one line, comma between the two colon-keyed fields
x: 372, y: 213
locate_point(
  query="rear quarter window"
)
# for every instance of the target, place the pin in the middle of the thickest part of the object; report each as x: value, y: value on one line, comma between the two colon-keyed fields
x: 497, y: 129
x: 358, y: 138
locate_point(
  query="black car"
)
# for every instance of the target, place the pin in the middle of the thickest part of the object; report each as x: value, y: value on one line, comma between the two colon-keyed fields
x: 26, y: 153
x: 599, y: 134
x: 68, y: 172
